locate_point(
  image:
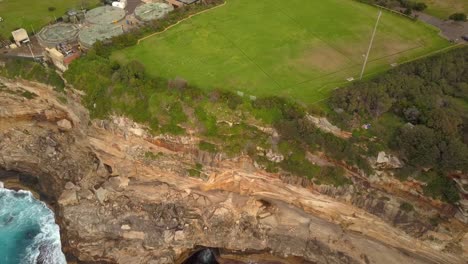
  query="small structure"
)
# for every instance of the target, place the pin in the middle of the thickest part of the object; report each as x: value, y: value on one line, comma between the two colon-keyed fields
x: 120, y: 4
x: 105, y: 15
x: 90, y: 35
x: 61, y: 60
x: 20, y: 36
x: 188, y: 2
x: 180, y: 3
x: 61, y: 33
x: 74, y: 16
x: 175, y: 3
x: 152, y: 11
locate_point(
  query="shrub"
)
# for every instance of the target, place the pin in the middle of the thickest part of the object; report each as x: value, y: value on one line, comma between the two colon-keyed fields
x: 406, y: 207
x: 458, y: 17
x: 419, y: 6
x: 206, y: 146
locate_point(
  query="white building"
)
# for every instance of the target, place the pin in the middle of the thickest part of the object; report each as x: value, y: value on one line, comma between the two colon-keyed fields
x: 20, y: 36
x: 120, y: 4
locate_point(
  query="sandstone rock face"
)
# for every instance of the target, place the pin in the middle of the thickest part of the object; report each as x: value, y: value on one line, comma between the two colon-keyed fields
x: 325, y: 125
x: 126, y: 208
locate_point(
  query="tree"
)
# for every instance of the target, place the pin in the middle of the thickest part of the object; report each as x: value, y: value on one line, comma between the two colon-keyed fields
x: 444, y: 120
x: 131, y: 72
x: 412, y: 115
x: 418, y: 144
x: 419, y: 6
x: 454, y: 155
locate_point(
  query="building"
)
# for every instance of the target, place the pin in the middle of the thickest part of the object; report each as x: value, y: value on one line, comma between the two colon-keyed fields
x: 152, y: 11
x: 105, y: 15
x: 188, y: 2
x: 60, y: 33
x: 20, y: 36
x: 120, y: 4
x: 89, y: 35
x: 61, y: 60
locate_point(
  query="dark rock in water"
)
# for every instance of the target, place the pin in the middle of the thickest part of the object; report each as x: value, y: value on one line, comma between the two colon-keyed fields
x: 30, y: 234
x: 45, y: 251
x: 9, y: 219
x: 20, y: 195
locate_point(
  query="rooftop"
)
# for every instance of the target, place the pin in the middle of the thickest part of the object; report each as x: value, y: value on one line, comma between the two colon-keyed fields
x: 105, y: 15
x: 52, y: 35
x: 151, y: 11
x: 88, y: 36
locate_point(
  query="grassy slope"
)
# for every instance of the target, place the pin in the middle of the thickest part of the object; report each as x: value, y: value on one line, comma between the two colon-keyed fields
x: 27, y: 13
x: 444, y: 8
x: 302, y: 49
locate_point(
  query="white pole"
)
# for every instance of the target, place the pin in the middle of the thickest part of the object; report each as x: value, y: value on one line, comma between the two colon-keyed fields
x: 30, y: 49
x: 370, y: 45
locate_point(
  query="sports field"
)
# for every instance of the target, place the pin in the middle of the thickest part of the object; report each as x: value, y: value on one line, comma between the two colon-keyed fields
x: 302, y: 49
x: 34, y: 13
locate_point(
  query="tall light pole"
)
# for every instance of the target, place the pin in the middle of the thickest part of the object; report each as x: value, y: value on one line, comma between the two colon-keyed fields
x: 370, y: 45
x: 30, y: 49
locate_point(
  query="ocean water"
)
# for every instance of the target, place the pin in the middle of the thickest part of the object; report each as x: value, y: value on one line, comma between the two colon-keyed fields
x: 28, y: 232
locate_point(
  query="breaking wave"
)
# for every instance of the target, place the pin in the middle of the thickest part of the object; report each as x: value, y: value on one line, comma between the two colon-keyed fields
x: 28, y: 232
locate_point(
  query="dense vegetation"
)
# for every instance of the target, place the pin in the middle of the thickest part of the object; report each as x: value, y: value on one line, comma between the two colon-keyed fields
x: 226, y: 121
x: 420, y: 112
x: 408, y: 4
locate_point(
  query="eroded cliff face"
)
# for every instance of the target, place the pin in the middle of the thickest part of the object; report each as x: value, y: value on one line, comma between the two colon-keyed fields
x: 124, y: 196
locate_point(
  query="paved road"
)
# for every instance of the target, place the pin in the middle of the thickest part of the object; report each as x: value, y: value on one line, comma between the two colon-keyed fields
x: 131, y: 5
x: 451, y: 30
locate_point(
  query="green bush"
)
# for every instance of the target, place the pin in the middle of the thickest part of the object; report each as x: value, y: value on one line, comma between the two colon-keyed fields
x: 206, y: 146
x: 406, y: 207
x: 458, y: 17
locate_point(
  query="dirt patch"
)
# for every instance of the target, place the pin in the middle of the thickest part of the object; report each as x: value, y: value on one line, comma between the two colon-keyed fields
x: 323, y: 58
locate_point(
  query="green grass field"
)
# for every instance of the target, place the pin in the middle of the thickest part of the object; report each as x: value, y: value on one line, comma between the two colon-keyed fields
x: 300, y: 49
x: 34, y: 13
x: 444, y: 8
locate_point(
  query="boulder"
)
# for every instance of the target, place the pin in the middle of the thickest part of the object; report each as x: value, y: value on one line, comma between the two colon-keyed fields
x: 69, y: 186
x: 101, y: 195
x: 125, y: 227
x: 50, y: 115
x: 387, y: 161
x: 64, y: 125
x: 134, y: 235
x: 68, y: 197
x: 86, y: 194
x: 118, y: 182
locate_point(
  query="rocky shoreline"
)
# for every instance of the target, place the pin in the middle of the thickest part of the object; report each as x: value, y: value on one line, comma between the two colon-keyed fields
x: 115, y: 203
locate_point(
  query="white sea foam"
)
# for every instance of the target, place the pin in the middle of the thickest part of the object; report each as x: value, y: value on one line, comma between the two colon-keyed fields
x: 22, y: 215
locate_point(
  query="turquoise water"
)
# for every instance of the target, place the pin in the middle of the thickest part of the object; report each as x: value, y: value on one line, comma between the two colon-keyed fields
x: 28, y: 233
